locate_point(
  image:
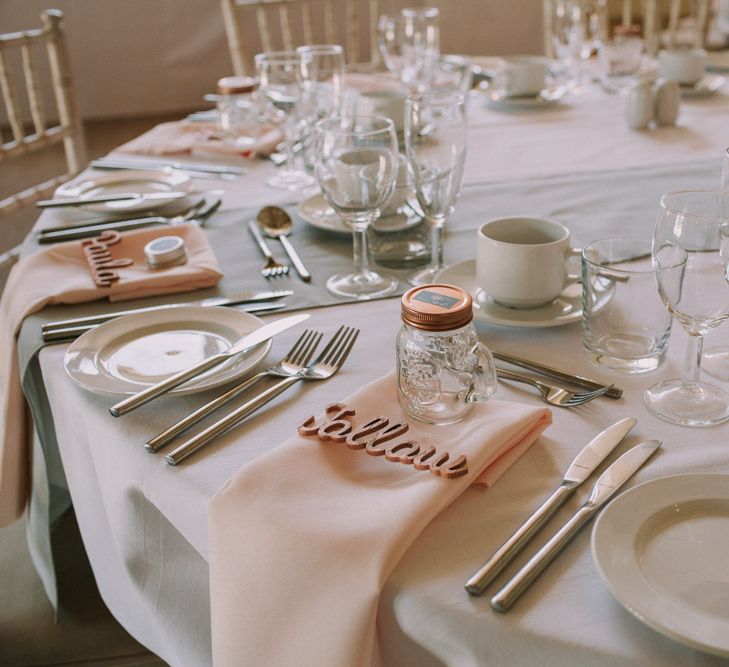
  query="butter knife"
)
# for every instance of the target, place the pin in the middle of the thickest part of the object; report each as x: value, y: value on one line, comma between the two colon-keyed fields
x: 69, y: 333
x: 120, y: 196
x: 584, y: 464
x: 236, y: 299
x: 123, y: 163
x: 250, y: 340
x: 605, y: 488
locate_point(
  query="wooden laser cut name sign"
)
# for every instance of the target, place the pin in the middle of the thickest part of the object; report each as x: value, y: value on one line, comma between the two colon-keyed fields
x: 376, y: 437
x: 99, y: 257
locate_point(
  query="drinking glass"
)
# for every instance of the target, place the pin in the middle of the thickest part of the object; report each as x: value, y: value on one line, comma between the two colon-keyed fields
x: 716, y: 359
x: 391, y: 42
x: 282, y: 93
x: 577, y: 28
x: 356, y: 165
x: 421, y: 48
x: 691, y: 259
x: 323, y: 76
x: 435, y: 144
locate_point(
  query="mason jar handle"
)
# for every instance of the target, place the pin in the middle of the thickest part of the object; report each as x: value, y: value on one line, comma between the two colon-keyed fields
x: 484, y: 384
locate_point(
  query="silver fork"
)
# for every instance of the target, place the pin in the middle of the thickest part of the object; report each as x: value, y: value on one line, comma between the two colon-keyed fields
x: 326, y: 365
x: 294, y: 362
x: 272, y: 268
x: 552, y: 394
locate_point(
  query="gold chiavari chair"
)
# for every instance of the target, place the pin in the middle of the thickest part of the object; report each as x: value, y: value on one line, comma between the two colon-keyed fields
x: 272, y: 25
x: 28, y: 137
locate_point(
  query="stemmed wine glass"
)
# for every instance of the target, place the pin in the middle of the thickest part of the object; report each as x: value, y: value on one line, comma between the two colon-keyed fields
x: 323, y: 70
x: 435, y: 144
x: 282, y: 92
x: 391, y: 42
x: 421, y: 46
x: 356, y: 166
x: 691, y: 260
x: 716, y: 359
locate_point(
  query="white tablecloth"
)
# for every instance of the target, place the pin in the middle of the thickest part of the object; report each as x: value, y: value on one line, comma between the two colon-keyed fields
x: 144, y: 523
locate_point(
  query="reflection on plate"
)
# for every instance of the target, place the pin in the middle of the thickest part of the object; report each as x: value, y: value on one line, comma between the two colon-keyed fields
x: 708, y: 85
x: 565, y: 309
x: 317, y: 212
x: 133, y: 352
x: 498, y: 99
x: 662, y: 548
x: 142, y: 181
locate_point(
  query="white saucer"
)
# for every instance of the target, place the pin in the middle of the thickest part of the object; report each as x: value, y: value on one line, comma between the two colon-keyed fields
x: 567, y: 308
x: 661, y: 549
x: 129, y: 353
x: 548, y: 97
x: 317, y: 212
x: 142, y: 181
x: 708, y: 85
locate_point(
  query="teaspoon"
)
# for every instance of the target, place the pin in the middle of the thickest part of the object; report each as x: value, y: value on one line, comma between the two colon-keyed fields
x: 276, y: 224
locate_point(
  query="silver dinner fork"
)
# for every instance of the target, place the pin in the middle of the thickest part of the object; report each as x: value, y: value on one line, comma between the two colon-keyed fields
x: 326, y: 365
x: 552, y: 394
x: 272, y: 268
x: 294, y: 362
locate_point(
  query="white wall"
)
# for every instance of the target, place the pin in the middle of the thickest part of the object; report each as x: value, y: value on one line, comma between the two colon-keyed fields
x: 143, y: 57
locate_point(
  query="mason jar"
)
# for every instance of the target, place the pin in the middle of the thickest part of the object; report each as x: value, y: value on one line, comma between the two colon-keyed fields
x: 442, y: 368
x: 237, y: 109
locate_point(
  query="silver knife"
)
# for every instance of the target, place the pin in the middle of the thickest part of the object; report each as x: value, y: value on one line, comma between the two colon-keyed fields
x: 236, y: 299
x: 122, y: 163
x: 119, y: 196
x: 607, y: 485
x: 69, y: 333
x: 584, y: 464
x: 258, y: 336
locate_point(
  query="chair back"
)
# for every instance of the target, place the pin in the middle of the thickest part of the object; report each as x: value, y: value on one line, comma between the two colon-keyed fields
x: 282, y: 25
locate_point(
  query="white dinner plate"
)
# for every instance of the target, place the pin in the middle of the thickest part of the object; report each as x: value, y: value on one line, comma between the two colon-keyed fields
x: 550, y: 96
x: 565, y: 309
x: 317, y: 212
x: 709, y: 84
x: 662, y: 549
x: 142, y: 181
x: 129, y: 353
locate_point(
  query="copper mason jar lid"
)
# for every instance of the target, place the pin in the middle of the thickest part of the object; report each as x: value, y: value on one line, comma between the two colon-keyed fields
x: 437, y: 307
x: 236, y: 85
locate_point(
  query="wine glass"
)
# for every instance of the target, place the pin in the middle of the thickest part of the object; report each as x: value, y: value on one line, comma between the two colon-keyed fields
x: 716, y: 359
x: 421, y: 46
x: 391, y: 42
x: 323, y: 70
x: 435, y: 144
x: 282, y: 92
x: 691, y: 260
x: 356, y: 166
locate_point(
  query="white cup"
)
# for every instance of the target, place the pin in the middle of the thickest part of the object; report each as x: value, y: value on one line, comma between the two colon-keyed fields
x: 683, y: 65
x: 523, y: 262
x: 388, y: 103
x: 521, y: 75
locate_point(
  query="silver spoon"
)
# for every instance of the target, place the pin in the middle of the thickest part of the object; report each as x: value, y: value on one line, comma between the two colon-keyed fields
x: 276, y: 224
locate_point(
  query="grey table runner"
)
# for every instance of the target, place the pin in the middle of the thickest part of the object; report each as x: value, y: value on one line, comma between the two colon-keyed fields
x: 592, y: 205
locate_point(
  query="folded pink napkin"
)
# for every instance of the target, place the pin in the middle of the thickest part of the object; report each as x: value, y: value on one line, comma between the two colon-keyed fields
x: 303, y: 538
x: 185, y: 138
x: 61, y: 274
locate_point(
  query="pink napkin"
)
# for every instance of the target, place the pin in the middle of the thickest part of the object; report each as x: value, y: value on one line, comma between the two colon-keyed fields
x: 303, y: 538
x: 185, y: 138
x: 60, y: 274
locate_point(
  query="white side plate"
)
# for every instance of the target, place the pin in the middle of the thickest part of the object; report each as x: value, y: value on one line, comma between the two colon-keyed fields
x: 128, y: 354
x: 142, y: 181
x: 317, y: 212
x: 662, y: 548
x: 709, y: 84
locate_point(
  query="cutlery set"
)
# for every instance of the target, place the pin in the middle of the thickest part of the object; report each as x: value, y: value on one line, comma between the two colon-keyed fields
x: 276, y: 224
x: 581, y: 468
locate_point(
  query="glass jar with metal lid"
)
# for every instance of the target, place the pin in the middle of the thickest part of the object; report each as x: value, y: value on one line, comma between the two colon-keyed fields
x: 237, y: 108
x: 442, y: 368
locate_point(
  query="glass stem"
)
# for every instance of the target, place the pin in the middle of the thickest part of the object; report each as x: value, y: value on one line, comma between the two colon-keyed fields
x: 361, y: 253
x: 436, y: 233
x: 692, y: 364
x: 288, y: 165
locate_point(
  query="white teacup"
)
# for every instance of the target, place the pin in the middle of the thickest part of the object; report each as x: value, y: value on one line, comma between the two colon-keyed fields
x: 683, y: 65
x: 388, y: 103
x: 522, y: 262
x: 521, y: 76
